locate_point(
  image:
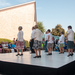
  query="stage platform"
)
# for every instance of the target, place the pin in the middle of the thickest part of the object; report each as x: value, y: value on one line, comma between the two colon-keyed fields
x: 46, y: 65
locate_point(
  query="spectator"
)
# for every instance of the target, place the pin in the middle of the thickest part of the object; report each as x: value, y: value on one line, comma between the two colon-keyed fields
x: 5, y: 47
x: 43, y: 43
x: 9, y: 45
x: 14, y: 42
x: 65, y: 45
x: 0, y: 48
x: 13, y: 47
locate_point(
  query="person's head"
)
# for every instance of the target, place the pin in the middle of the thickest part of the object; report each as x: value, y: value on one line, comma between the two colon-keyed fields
x: 43, y: 39
x: 69, y: 27
x: 48, y: 31
x: 9, y: 43
x: 66, y: 41
x: 2, y: 42
x: 62, y: 33
x: 20, y: 28
x: 13, y: 38
x: 33, y: 28
x: 5, y: 42
x: 36, y: 26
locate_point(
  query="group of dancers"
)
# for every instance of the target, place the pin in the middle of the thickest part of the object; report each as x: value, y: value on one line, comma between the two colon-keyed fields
x: 36, y: 38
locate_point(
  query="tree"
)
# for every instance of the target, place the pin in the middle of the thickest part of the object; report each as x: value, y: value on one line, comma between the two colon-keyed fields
x: 57, y: 30
x: 41, y: 27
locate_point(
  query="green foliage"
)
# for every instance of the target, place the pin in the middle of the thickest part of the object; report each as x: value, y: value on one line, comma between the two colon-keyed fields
x: 41, y: 27
x: 27, y: 43
x: 5, y: 40
x: 57, y: 30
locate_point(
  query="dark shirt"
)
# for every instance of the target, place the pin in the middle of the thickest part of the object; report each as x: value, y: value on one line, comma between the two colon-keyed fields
x: 0, y: 46
x: 9, y: 46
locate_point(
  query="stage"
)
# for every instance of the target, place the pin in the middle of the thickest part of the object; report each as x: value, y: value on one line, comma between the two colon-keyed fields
x: 56, y: 64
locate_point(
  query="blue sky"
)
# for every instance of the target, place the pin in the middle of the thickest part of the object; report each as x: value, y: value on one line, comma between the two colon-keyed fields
x: 50, y: 12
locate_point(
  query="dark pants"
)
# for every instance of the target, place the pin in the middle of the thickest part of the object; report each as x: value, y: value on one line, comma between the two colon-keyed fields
x: 46, y: 46
x: 32, y: 42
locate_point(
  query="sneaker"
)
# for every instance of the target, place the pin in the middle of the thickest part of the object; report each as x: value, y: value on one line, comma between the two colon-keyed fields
x: 36, y: 57
x: 17, y: 54
x: 21, y: 54
x: 60, y: 53
x: 39, y: 56
x: 49, y: 54
x: 71, y: 54
x: 68, y: 55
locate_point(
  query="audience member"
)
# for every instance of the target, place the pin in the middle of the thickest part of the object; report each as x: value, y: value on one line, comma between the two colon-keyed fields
x: 0, y: 48
x: 5, y: 47
x: 43, y: 43
x: 65, y: 48
x: 14, y: 42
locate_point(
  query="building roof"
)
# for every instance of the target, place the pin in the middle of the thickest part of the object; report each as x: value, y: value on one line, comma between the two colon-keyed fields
x: 15, y: 6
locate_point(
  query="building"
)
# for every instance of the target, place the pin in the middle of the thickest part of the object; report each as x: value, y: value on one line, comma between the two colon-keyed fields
x: 19, y: 15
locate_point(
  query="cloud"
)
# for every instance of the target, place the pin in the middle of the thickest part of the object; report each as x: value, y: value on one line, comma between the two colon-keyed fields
x: 3, y: 3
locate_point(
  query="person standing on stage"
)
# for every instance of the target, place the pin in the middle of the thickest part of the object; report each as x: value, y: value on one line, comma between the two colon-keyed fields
x: 46, y: 39
x: 37, y: 41
x: 20, y: 43
x: 49, y: 43
x: 61, y: 43
x: 70, y: 41
x: 32, y: 40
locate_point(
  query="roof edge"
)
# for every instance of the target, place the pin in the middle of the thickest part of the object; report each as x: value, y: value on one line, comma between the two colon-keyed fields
x: 16, y: 5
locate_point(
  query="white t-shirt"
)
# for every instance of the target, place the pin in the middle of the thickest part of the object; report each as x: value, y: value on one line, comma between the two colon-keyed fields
x: 20, y: 36
x: 61, y: 39
x: 4, y: 45
x: 46, y: 37
x: 70, y: 35
x: 37, y: 34
x: 50, y: 39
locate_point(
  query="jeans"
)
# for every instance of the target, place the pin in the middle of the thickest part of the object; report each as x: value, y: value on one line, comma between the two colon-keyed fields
x: 46, y: 46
